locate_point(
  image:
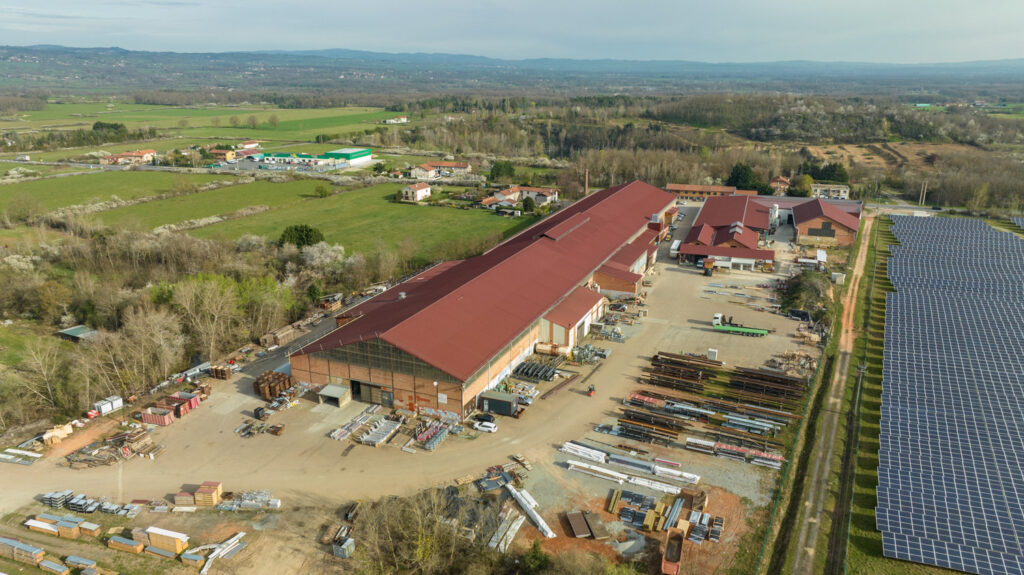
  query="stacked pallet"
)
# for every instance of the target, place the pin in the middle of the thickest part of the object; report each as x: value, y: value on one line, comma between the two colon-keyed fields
x: 209, y: 494
x: 122, y: 544
x: 139, y: 535
x: 220, y: 372
x: 21, y: 552
x: 171, y: 541
x: 273, y: 384
x: 184, y: 498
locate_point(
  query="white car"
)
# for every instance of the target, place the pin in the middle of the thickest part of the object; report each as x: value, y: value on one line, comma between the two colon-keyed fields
x: 486, y: 426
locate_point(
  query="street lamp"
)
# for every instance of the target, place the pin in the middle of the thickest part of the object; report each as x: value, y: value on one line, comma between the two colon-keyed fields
x: 437, y: 403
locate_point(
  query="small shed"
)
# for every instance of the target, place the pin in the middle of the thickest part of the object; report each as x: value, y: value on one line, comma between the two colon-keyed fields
x: 77, y: 334
x: 335, y: 393
x: 497, y: 402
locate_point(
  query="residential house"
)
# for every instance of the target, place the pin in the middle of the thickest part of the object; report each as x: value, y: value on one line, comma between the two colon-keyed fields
x: 223, y: 155
x: 416, y: 192
x: 780, y: 184
x: 424, y: 172
x: 397, y: 120
x: 138, y: 157
x: 431, y: 170
x: 249, y: 145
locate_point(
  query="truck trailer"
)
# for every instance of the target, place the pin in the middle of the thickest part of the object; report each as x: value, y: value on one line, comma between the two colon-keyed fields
x: 720, y: 323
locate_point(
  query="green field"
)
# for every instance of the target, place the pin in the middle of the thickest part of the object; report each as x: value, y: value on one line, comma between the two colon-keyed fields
x: 359, y: 219
x: 91, y: 188
x: 199, y: 122
x: 222, y: 201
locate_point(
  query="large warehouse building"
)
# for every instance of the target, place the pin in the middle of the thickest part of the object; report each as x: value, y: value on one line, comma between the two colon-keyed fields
x: 443, y: 337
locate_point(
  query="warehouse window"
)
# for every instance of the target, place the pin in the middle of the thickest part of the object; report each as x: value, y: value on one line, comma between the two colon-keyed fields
x: 380, y: 355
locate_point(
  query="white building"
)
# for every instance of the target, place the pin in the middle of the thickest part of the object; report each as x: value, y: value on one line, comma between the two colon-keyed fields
x: 397, y: 120
x: 830, y: 191
x: 416, y: 192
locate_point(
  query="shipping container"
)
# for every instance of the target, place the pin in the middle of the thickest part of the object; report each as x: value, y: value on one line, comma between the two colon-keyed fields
x: 497, y: 402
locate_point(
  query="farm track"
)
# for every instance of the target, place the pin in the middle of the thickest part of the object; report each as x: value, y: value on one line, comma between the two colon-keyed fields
x: 818, y: 487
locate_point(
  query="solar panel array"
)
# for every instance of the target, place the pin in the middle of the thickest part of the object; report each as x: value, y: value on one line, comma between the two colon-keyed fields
x: 951, y: 455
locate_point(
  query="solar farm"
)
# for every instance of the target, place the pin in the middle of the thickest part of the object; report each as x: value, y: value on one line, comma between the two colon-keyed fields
x: 951, y: 457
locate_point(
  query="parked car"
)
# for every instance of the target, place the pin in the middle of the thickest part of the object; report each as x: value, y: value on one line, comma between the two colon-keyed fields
x: 486, y: 426
x: 484, y: 417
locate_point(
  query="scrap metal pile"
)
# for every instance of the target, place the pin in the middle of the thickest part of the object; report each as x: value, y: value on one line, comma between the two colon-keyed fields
x: 121, y: 446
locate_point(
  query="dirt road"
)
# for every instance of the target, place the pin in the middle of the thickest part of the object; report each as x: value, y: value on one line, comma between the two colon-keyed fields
x: 817, y: 487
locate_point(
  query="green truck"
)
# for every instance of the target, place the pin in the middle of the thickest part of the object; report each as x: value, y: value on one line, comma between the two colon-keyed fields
x: 720, y: 323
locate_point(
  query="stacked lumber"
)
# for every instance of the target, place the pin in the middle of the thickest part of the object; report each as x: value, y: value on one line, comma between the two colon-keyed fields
x: 90, y: 529
x: 220, y: 372
x: 69, y: 530
x: 273, y: 384
x: 42, y: 527
x: 21, y: 552
x: 170, y: 541
x: 122, y: 544
x: 184, y: 498
x: 208, y: 495
x: 53, y: 567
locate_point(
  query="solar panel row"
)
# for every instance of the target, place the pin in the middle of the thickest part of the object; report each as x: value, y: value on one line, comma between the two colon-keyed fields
x: 951, y: 446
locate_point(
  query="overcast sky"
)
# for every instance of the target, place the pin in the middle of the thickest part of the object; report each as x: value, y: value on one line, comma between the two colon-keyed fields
x: 905, y: 31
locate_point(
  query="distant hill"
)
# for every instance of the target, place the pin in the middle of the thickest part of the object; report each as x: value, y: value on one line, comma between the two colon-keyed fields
x: 105, y: 70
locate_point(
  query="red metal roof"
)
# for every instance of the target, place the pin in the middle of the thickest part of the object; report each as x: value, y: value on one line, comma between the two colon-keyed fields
x: 456, y: 316
x: 720, y: 251
x: 698, y: 188
x: 571, y: 310
x: 618, y: 271
x: 745, y: 236
x: 789, y: 202
x: 724, y: 211
x: 818, y: 208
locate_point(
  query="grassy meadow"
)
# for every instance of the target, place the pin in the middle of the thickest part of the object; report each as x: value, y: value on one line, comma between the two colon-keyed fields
x: 50, y: 194
x: 359, y: 219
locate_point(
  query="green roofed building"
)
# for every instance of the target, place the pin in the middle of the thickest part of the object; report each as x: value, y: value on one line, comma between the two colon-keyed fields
x: 354, y: 156
x: 77, y: 333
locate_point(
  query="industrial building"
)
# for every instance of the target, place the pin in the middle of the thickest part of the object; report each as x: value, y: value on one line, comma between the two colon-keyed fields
x: 699, y: 192
x: 450, y: 333
x: 734, y: 229
x: 352, y: 156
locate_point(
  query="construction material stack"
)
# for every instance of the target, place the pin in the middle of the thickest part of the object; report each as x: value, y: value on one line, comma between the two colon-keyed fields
x: 681, y: 372
x: 53, y: 567
x: 274, y: 384
x: 169, y: 541
x: 184, y: 498
x: 20, y: 552
x: 209, y: 494
x: 123, y: 544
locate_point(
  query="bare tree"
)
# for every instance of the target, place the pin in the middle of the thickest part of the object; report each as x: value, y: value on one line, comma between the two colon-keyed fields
x: 252, y: 122
x: 273, y: 121
x: 43, y: 365
x: 210, y: 311
x: 234, y: 121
